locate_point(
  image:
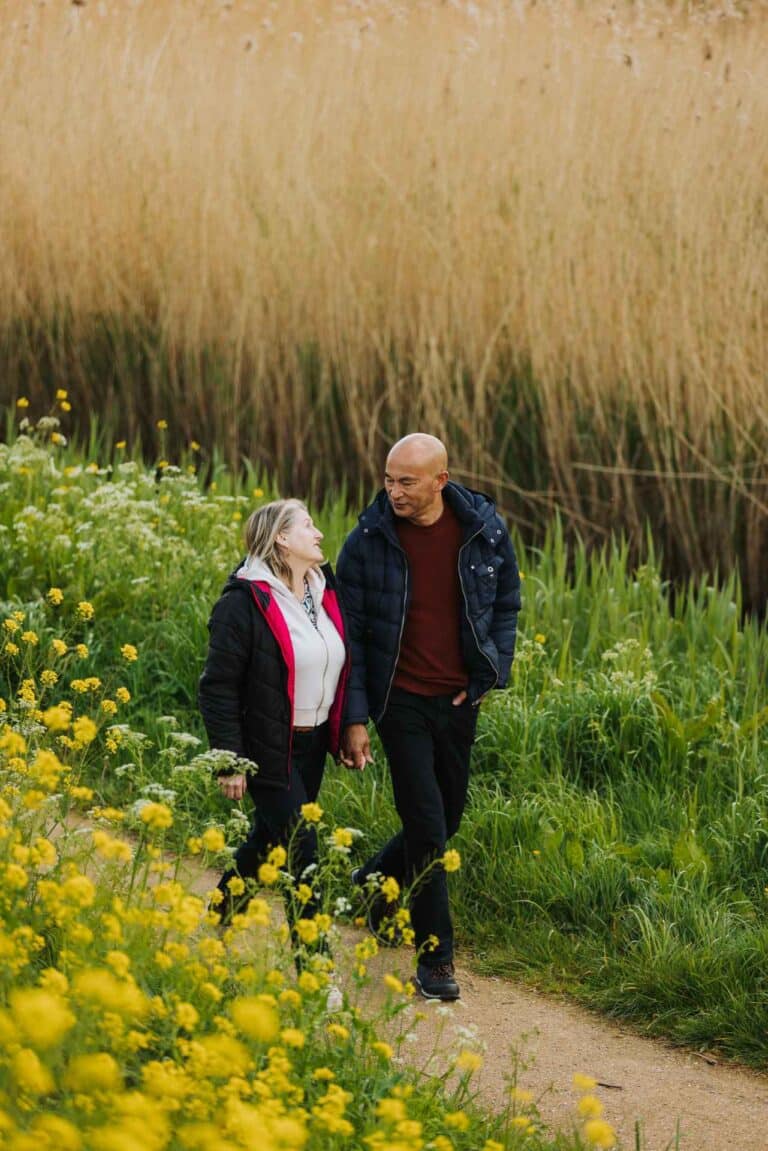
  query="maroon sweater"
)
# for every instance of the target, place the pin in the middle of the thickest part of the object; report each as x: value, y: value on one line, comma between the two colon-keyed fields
x: 430, y: 660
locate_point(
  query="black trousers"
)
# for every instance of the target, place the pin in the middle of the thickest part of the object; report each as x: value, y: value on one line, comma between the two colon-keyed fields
x: 428, y: 742
x: 276, y: 821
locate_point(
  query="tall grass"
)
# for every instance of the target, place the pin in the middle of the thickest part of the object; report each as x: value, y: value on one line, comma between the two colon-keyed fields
x: 297, y: 231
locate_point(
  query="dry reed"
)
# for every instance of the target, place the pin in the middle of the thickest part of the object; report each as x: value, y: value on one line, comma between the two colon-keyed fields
x: 299, y: 229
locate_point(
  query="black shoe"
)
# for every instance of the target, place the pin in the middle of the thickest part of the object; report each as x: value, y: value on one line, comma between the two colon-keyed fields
x: 437, y: 982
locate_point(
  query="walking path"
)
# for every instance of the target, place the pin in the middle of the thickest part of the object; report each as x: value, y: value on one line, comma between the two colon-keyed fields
x: 719, y: 1107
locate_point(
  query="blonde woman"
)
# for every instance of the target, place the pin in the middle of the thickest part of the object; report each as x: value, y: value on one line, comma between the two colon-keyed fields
x: 272, y: 689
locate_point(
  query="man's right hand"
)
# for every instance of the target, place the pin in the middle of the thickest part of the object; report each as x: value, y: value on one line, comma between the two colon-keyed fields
x: 356, y: 747
x: 232, y: 786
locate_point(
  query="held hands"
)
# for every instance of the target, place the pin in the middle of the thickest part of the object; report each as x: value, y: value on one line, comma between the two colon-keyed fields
x: 232, y: 786
x: 356, y: 747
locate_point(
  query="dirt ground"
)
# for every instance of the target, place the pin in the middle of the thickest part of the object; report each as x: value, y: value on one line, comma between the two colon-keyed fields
x: 718, y: 1107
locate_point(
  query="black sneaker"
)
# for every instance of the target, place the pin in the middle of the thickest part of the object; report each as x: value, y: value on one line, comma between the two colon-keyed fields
x: 437, y: 982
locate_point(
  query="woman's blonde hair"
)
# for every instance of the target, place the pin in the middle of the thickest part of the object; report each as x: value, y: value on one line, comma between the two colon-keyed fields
x: 264, y: 526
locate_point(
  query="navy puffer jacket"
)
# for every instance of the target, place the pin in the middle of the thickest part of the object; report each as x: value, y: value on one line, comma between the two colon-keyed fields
x: 372, y: 574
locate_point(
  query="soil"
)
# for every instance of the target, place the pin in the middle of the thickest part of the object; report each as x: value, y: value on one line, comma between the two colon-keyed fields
x: 670, y: 1092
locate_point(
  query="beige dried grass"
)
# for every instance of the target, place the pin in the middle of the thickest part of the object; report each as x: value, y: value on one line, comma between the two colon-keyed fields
x: 327, y: 223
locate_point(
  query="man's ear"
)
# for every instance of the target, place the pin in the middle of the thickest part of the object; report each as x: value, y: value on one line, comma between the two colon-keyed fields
x: 441, y: 479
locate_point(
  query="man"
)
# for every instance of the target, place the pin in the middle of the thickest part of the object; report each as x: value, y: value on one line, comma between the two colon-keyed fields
x: 431, y: 589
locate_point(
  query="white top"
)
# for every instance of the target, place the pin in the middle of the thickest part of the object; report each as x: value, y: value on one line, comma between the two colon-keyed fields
x: 318, y: 651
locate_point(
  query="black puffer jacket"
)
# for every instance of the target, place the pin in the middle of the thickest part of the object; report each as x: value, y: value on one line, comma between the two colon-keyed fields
x: 245, y: 689
x: 372, y: 574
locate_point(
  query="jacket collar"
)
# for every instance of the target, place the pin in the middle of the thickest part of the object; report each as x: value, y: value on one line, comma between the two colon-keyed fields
x: 473, y: 509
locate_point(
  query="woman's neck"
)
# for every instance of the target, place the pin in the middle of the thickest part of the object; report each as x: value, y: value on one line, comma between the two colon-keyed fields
x: 296, y: 580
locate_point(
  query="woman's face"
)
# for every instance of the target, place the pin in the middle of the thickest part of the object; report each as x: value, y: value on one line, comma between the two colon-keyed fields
x: 301, y: 540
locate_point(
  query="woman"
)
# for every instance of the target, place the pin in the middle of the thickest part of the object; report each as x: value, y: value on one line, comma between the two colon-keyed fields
x: 273, y: 685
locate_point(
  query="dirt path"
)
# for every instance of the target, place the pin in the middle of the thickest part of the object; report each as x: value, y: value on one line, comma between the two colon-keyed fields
x: 719, y: 1107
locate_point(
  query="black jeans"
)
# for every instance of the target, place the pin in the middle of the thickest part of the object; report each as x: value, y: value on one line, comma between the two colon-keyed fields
x: 276, y: 822
x: 428, y: 742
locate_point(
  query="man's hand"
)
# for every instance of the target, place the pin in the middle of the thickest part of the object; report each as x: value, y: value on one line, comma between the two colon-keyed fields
x: 232, y: 786
x: 356, y: 747
x: 458, y: 700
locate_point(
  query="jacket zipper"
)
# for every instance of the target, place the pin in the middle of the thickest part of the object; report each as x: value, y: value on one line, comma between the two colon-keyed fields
x: 495, y: 670
x: 400, y: 636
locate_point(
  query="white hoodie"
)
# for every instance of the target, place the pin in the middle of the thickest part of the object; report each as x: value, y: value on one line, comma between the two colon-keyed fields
x: 318, y: 651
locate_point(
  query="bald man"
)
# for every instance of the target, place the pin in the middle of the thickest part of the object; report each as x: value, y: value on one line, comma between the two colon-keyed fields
x: 431, y: 589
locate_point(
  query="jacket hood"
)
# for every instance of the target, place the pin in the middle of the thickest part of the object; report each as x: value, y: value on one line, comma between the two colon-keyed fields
x: 475, y: 509
x: 254, y: 570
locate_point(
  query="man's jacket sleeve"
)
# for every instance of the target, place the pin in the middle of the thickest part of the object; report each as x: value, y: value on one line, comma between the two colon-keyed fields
x: 351, y: 581
x: 224, y: 675
x: 503, y: 630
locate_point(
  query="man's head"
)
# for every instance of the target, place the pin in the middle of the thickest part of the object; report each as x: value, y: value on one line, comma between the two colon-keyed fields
x: 416, y: 473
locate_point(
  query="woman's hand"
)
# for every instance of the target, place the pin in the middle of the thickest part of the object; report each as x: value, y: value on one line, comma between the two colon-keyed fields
x: 232, y: 786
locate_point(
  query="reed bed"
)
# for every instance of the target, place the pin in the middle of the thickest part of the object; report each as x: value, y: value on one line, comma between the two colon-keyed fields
x: 295, y: 231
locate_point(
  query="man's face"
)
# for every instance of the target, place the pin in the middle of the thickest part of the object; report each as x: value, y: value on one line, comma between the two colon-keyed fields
x: 412, y: 486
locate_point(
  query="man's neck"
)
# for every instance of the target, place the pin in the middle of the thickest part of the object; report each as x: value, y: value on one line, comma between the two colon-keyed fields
x: 430, y: 516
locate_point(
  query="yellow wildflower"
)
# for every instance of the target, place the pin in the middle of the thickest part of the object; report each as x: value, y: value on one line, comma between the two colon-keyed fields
x: 292, y: 1037
x: 123, y: 695
x: 84, y: 730
x: 85, y: 610
x: 59, y: 647
x: 93, y: 1072
x: 31, y: 1076
x: 589, y: 1107
x: 278, y: 856
x: 213, y: 839
x: 312, y: 812
x: 306, y: 929
x: 457, y: 1119
x: 452, y: 860
x: 599, y: 1133
x: 268, y: 874
x: 157, y: 816
x: 129, y: 652
x: 22, y: 402
x: 584, y: 1082
x: 469, y: 1061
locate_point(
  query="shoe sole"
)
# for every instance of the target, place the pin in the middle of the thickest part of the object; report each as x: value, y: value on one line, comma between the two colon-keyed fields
x: 431, y: 994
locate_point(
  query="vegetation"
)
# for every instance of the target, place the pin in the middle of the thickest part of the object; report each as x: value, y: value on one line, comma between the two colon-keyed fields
x: 618, y: 824
x: 127, y: 1022
x: 538, y: 229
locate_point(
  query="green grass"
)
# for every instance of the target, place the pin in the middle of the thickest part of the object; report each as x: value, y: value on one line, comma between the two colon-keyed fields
x: 616, y: 838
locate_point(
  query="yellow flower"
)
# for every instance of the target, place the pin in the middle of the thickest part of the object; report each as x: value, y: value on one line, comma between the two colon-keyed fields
x: 58, y: 439
x: 213, y: 839
x: 157, y: 816
x: 22, y: 402
x: 312, y: 812
x: 111, y: 849
x: 292, y: 1037
x: 94, y: 1072
x: 42, y: 1017
x: 457, y: 1119
x: 48, y: 677
x: 161, y: 425
x: 268, y: 874
x: 452, y: 860
x: 81, y: 651
x: 390, y: 889
x: 129, y: 652
x: 599, y: 1133
x: 539, y: 638
x: 187, y: 1017
x: 58, y: 718
x: 323, y: 1074
x: 303, y: 893
x: 391, y: 1110
x: 85, y: 610
x: 469, y: 1061
x: 84, y: 730
x: 109, y: 707
x: 256, y: 1019
x: 383, y: 1049
x: 123, y: 695
x: 194, y: 446
x: 341, y: 837
x: 278, y: 856
x: 120, y: 445
x: 12, y: 648
x: 521, y: 1095
x: 65, y: 406
x: 30, y: 1075
x: 55, y: 596
x: 584, y: 1082
x: 236, y: 885
x: 337, y: 1031
x: 589, y: 1107
x: 55, y: 1131
x: 392, y: 983
x: 258, y: 493
x: 61, y: 393
x: 59, y: 647
x: 307, y: 930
